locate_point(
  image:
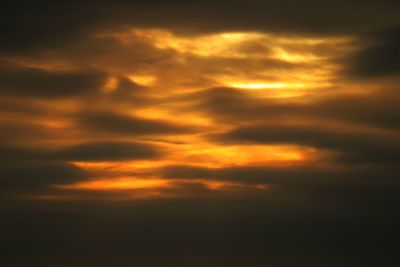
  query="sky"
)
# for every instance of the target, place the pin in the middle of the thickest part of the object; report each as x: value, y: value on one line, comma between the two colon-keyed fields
x: 199, y: 133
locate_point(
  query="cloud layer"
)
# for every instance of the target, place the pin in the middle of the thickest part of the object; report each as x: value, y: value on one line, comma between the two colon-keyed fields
x: 176, y: 133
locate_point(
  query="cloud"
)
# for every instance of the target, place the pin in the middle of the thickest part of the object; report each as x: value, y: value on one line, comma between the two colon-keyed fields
x: 308, y: 175
x: 17, y: 153
x: 17, y: 132
x: 356, y: 147
x: 32, y: 82
x: 33, y: 169
x: 377, y: 109
x: 84, y: 151
x: 32, y: 177
x: 108, y: 151
x: 114, y: 123
x: 30, y: 170
x: 85, y: 81
x: 44, y: 25
x: 379, y: 58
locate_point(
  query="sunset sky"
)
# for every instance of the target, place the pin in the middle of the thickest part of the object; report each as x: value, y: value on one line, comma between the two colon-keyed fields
x: 200, y: 133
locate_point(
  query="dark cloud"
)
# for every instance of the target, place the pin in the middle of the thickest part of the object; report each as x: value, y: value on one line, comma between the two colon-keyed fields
x: 302, y: 176
x: 379, y: 58
x: 31, y: 82
x: 113, y: 123
x: 18, y: 132
x: 32, y: 26
x: 28, y: 26
x: 18, y: 153
x: 108, y: 151
x: 360, y: 147
x: 30, y: 177
x: 377, y: 110
x: 30, y: 170
x: 33, y: 169
x: 223, y: 104
x: 12, y: 105
x: 87, y: 151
